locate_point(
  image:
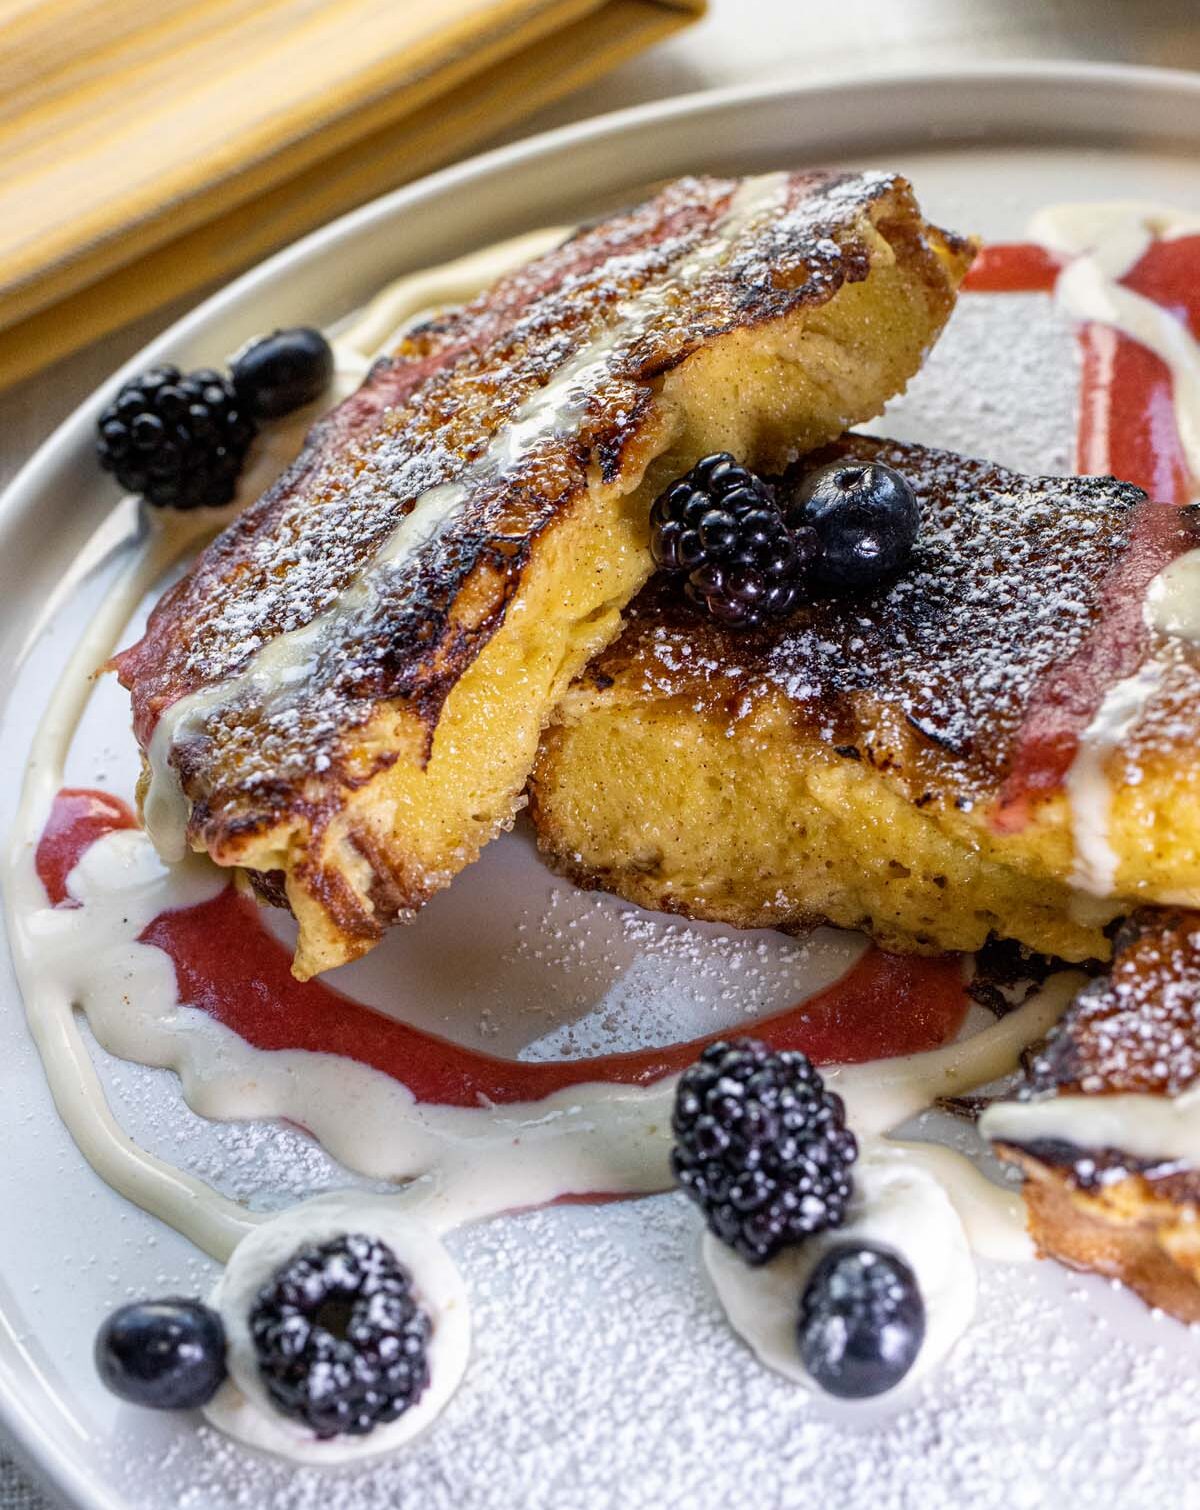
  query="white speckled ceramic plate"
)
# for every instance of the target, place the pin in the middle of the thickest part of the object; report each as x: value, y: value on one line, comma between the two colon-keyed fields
x: 602, y: 1372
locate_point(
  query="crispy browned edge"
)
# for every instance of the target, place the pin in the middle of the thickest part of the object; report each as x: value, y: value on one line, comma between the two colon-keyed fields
x: 1139, y: 1226
x: 1102, y: 1211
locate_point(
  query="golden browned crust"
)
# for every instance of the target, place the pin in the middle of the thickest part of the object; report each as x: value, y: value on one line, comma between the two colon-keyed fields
x: 1135, y: 1030
x: 1142, y: 1228
x: 373, y: 775
x: 848, y: 764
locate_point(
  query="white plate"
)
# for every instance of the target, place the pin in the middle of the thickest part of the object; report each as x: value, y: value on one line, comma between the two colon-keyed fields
x: 640, y: 1394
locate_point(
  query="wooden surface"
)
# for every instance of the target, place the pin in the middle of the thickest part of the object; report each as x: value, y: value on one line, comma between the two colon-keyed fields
x: 740, y: 41
x: 152, y: 146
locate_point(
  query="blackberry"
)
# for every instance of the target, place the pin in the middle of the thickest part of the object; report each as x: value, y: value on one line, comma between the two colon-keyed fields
x: 341, y: 1342
x: 283, y: 371
x: 719, y: 528
x: 865, y: 517
x: 862, y: 1321
x: 178, y: 441
x: 167, y: 1354
x: 761, y: 1147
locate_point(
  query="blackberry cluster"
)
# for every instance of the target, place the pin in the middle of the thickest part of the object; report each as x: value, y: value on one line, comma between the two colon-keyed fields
x: 341, y: 1343
x: 862, y: 1321
x: 178, y: 441
x: 761, y: 1147
x: 719, y: 528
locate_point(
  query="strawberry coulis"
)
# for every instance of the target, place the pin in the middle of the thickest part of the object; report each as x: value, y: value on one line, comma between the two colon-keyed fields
x: 229, y: 966
x: 1127, y: 429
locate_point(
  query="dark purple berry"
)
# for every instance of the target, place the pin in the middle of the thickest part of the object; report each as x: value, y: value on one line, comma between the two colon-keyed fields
x: 283, y: 371
x: 761, y: 1147
x: 341, y: 1342
x: 865, y: 516
x: 719, y: 528
x: 862, y: 1321
x: 166, y: 1354
x: 178, y: 441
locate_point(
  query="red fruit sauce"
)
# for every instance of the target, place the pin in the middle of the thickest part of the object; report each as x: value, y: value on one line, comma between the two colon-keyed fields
x: 1127, y: 429
x: 228, y: 965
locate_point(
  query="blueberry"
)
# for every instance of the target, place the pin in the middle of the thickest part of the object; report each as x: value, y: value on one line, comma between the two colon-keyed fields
x: 866, y: 518
x: 167, y: 1354
x: 862, y: 1321
x: 283, y: 371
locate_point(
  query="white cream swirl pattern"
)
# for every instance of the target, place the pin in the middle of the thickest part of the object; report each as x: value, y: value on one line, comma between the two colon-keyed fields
x: 242, y: 1407
x: 897, y: 1204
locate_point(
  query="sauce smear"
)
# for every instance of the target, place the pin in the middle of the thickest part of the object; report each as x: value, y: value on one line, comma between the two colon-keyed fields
x: 1013, y: 267
x: 1127, y: 429
x: 229, y: 966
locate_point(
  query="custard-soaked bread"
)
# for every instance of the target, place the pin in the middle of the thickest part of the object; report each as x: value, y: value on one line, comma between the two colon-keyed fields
x: 347, y: 688
x: 1107, y: 1130
x: 894, y: 760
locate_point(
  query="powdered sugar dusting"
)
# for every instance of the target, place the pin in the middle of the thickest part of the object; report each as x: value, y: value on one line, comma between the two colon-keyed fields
x: 604, y: 1373
x: 1004, y: 584
x: 1138, y: 1028
x: 1002, y: 382
x: 932, y: 674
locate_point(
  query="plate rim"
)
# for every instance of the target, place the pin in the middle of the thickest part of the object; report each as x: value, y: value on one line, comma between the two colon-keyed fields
x: 1122, y: 78
x: 24, y: 1434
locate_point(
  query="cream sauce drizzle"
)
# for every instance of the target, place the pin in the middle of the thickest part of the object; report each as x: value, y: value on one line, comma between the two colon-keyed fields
x: 1165, y: 1128
x: 1103, y: 242
x: 1089, y: 788
x: 1173, y: 601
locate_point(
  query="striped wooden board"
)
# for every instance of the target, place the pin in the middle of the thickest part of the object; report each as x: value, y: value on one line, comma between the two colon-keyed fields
x: 150, y: 146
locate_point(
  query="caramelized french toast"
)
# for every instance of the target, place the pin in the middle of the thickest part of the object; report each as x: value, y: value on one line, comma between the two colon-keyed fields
x: 344, y: 695
x: 894, y: 760
x: 1107, y: 1127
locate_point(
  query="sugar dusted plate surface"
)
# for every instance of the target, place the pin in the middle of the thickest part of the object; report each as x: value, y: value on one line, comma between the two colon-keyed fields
x: 603, y: 1370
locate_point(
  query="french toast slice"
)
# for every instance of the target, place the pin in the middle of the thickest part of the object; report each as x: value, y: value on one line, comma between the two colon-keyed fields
x: 344, y: 694
x: 856, y: 764
x: 1107, y: 1127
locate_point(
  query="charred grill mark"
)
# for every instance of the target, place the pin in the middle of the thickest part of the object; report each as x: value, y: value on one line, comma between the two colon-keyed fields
x: 1091, y: 1169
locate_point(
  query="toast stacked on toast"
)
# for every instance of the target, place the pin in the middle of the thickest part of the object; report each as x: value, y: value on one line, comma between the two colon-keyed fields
x: 856, y: 764
x: 344, y: 695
